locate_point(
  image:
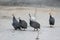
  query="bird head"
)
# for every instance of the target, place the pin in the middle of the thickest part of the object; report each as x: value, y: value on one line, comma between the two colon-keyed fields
x: 19, y: 19
x: 12, y: 14
x: 50, y: 15
x: 29, y: 15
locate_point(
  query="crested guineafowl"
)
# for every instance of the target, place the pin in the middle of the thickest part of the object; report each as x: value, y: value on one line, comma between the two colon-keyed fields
x: 51, y: 20
x: 34, y: 24
x: 23, y: 24
x: 15, y: 23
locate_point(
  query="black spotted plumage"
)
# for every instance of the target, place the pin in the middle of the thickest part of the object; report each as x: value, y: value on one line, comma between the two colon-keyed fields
x: 15, y: 23
x: 34, y: 24
x: 51, y: 20
x: 23, y: 24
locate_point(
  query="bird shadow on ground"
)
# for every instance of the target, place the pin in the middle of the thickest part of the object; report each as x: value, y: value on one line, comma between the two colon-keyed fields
x: 27, y: 30
x: 32, y: 30
x: 49, y: 27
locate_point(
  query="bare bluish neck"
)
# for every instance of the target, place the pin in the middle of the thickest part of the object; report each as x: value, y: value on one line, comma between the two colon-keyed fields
x: 50, y: 16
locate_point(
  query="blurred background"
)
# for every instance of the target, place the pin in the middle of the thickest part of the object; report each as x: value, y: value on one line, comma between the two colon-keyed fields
x: 35, y: 3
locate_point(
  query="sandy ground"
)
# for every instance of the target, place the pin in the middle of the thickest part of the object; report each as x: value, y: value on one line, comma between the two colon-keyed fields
x: 7, y: 32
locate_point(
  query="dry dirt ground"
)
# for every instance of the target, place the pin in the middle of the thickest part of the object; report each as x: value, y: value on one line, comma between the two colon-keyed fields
x: 42, y: 16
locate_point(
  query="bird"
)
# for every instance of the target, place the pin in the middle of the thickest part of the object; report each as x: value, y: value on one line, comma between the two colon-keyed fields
x: 15, y: 23
x: 51, y: 20
x: 34, y: 24
x: 23, y: 24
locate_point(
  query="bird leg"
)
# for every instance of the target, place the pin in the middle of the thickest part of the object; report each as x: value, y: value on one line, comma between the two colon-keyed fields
x: 15, y: 28
x: 19, y: 28
x: 51, y: 26
x: 37, y: 29
x: 24, y: 29
x: 37, y: 38
x: 34, y: 29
